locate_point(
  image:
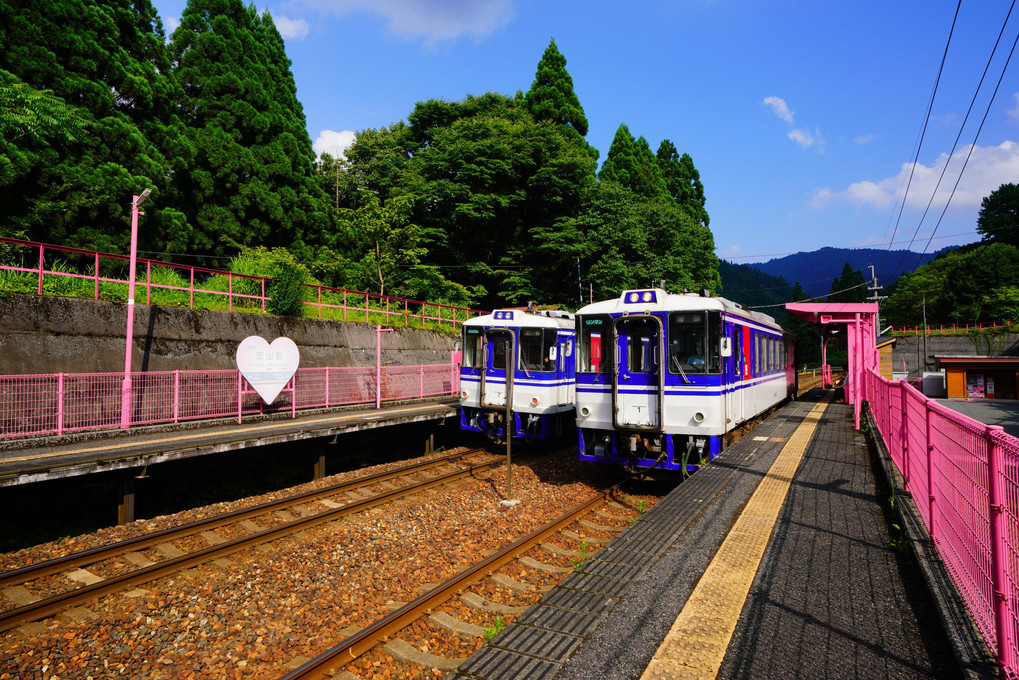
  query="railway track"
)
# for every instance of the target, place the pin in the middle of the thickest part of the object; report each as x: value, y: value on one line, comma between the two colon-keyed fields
x: 265, y: 612
x: 77, y: 562
x: 332, y: 660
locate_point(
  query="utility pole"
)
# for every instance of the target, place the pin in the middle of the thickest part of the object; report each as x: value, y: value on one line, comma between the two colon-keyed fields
x: 874, y: 297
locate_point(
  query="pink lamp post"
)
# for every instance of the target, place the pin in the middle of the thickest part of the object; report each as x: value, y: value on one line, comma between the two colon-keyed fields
x: 125, y: 390
x: 379, y: 330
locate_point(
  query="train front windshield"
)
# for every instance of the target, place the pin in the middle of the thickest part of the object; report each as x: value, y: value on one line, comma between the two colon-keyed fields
x: 472, y: 347
x: 595, y: 343
x: 694, y: 342
x: 535, y: 346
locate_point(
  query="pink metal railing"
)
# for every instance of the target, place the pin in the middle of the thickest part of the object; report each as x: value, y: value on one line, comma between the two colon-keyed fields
x: 39, y: 405
x: 952, y: 328
x: 964, y: 476
x: 356, y: 305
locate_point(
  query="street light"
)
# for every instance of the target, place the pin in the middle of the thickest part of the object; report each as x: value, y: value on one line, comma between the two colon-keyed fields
x: 125, y: 390
x: 826, y: 378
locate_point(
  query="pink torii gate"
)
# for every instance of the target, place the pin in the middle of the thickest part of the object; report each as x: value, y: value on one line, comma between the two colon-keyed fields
x: 860, y: 322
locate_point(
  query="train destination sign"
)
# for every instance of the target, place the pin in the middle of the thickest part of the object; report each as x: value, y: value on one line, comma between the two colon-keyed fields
x: 267, y: 367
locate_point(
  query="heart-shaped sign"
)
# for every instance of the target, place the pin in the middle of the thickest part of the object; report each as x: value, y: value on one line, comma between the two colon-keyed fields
x: 267, y: 368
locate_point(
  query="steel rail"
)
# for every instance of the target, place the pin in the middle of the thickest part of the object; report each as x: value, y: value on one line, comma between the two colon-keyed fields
x: 50, y: 606
x: 328, y: 663
x: 80, y: 559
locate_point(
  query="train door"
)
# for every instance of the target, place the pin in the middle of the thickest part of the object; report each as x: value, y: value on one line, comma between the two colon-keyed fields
x: 735, y: 366
x: 498, y: 353
x: 564, y: 354
x: 638, y: 385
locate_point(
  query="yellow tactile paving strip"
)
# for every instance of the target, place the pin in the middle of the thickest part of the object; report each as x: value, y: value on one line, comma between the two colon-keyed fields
x: 696, y: 644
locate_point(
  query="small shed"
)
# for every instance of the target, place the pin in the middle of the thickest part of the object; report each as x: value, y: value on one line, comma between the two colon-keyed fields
x: 978, y: 377
x: 885, y: 345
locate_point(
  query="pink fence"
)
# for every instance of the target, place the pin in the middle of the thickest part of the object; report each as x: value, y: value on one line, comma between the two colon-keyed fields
x: 37, y: 405
x: 964, y: 476
x: 197, y: 285
x: 953, y: 328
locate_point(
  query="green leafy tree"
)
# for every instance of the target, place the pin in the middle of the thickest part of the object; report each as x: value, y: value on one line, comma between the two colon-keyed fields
x: 101, y: 67
x: 620, y: 241
x: 969, y: 286
x: 808, y: 341
x: 998, y: 220
x: 251, y: 180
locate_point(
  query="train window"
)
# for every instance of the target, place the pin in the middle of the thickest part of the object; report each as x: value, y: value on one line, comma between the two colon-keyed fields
x: 693, y: 342
x: 471, y: 347
x: 639, y: 351
x: 497, y: 350
x: 535, y: 344
x: 595, y: 343
x: 714, y: 341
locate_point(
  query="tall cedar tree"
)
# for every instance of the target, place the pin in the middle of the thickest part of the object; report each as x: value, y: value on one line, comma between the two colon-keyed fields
x: 682, y: 181
x: 105, y: 66
x: 252, y: 179
x: 849, y: 287
x: 631, y: 164
x: 551, y: 96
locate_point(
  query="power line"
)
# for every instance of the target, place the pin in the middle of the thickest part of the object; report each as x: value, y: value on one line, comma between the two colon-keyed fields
x: 923, y: 129
x: 975, y: 138
x: 955, y: 144
x: 816, y: 297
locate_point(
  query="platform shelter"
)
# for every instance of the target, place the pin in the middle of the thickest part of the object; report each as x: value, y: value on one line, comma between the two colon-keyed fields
x: 857, y: 322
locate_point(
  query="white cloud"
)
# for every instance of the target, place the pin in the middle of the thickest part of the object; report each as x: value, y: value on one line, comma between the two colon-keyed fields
x: 989, y: 167
x: 865, y: 139
x: 802, y: 137
x: 780, y: 108
x: 171, y: 25
x: 433, y: 21
x: 295, y: 29
x: 333, y: 143
x: 1013, y: 113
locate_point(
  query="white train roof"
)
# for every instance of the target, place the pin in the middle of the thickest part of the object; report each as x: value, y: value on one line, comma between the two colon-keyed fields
x: 517, y: 318
x: 645, y: 300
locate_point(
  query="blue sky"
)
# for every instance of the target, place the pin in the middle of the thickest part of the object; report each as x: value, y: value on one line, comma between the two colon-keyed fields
x: 803, y: 118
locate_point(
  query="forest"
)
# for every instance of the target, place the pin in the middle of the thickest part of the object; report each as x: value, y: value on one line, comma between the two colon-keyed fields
x: 492, y: 200
x: 489, y: 201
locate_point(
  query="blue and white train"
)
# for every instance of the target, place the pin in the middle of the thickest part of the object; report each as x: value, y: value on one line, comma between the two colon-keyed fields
x: 540, y: 385
x: 663, y: 380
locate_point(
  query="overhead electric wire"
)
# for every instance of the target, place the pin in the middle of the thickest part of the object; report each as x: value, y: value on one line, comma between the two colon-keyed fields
x: 816, y: 297
x: 955, y: 145
x: 923, y: 132
x: 973, y: 145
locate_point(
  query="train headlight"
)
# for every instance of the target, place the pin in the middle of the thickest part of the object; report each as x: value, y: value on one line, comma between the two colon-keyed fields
x: 698, y: 417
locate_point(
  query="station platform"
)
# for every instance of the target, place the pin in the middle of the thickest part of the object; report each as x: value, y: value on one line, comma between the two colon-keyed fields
x: 783, y: 558
x: 25, y: 461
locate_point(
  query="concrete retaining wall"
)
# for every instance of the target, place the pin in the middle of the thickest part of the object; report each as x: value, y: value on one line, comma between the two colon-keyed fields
x: 45, y: 334
x: 913, y: 349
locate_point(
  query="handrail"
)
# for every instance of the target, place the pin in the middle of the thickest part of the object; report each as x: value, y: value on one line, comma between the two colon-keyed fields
x: 368, y: 307
x: 964, y: 478
x: 952, y: 328
x: 60, y: 403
